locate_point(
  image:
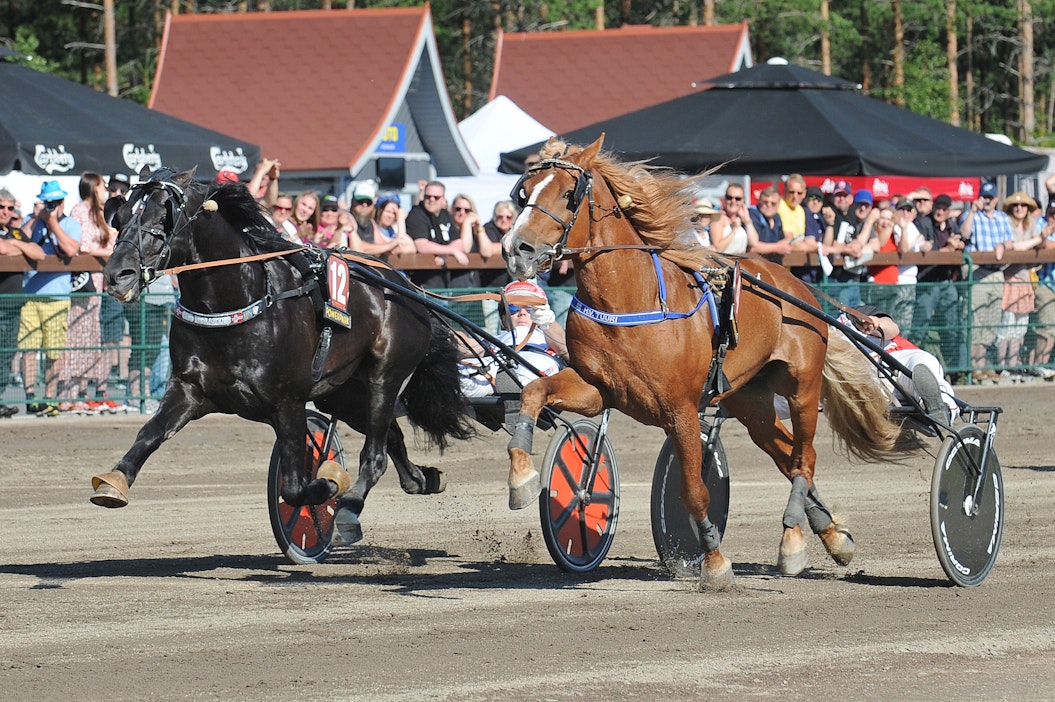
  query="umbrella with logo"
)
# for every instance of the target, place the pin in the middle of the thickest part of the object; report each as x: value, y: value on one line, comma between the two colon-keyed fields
x: 51, y: 126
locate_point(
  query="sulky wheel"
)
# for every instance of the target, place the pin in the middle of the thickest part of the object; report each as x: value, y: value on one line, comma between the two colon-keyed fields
x: 966, y: 534
x: 578, y: 522
x: 303, y: 533
x: 673, y: 530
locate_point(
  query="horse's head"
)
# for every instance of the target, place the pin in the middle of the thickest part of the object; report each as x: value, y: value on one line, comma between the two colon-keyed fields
x: 147, y: 221
x: 551, y: 195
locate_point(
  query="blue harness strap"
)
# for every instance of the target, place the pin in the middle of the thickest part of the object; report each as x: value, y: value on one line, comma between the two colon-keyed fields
x: 634, y: 319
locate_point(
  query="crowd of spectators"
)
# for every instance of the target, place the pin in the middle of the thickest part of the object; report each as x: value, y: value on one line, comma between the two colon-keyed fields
x: 69, y: 346
x: 929, y: 302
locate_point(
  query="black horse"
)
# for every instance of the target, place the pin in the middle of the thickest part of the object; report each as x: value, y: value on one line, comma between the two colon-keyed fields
x: 246, y: 341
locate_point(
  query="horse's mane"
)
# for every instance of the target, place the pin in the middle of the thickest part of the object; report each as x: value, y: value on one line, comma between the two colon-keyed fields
x: 242, y: 211
x: 662, y: 206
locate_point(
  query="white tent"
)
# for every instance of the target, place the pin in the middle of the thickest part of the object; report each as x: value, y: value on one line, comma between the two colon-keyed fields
x: 496, y: 127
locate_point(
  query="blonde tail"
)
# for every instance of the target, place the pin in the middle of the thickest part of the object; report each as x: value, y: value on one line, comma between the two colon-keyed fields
x: 856, y: 405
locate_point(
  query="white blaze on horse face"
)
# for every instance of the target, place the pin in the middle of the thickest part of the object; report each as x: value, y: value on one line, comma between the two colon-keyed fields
x: 525, y: 214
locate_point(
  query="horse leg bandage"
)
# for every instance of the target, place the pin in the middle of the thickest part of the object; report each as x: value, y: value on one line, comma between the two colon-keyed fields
x: 818, y: 514
x: 795, y: 512
x: 710, y: 538
x: 523, y: 431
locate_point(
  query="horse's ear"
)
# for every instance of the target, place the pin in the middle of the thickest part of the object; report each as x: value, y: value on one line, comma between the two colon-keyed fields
x: 185, y: 178
x: 590, y: 152
x: 144, y: 173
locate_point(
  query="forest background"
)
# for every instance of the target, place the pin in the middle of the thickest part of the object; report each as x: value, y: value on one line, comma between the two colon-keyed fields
x: 982, y: 64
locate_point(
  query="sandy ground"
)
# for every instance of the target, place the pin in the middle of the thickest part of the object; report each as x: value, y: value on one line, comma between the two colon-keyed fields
x: 182, y: 594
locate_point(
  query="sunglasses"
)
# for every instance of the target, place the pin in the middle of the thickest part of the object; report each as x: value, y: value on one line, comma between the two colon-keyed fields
x: 329, y: 208
x: 280, y: 208
x: 463, y: 209
x: 796, y: 192
x: 433, y: 197
x: 9, y: 208
x: 513, y: 309
x: 503, y: 217
x: 733, y: 198
x: 363, y: 203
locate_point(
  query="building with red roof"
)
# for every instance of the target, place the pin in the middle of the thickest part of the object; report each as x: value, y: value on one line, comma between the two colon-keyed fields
x: 332, y: 94
x: 567, y: 80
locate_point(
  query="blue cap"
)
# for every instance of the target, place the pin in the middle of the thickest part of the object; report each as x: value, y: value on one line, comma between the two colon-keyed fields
x: 863, y: 196
x: 50, y: 191
x: 988, y: 189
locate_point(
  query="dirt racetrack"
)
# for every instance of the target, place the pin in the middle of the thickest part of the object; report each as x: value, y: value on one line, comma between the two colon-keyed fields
x: 182, y: 594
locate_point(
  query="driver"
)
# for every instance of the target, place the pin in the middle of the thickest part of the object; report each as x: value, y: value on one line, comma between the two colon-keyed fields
x: 530, y: 329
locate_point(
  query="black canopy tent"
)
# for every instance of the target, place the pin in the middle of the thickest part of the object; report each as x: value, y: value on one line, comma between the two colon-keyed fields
x: 52, y: 126
x: 772, y: 119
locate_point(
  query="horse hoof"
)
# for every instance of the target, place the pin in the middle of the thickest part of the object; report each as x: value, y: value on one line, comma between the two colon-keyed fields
x: 346, y: 529
x: 716, y: 578
x: 520, y: 496
x: 336, y: 474
x: 435, y: 480
x: 793, y: 556
x: 111, y: 489
x: 839, y: 544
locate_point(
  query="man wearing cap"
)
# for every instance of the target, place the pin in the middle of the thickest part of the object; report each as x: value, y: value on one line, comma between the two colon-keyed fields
x: 430, y: 225
x: 843, y: 235
x: 937, y: 299
x: 364, y: 199
x: 118, y: 184
x: 45, y: 315
x: 986, y: 227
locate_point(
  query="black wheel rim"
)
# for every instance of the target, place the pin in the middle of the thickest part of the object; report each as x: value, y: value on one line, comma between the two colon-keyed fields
x: 966, y: 536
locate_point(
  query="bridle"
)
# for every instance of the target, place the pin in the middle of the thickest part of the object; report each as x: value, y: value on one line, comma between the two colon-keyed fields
x: 175, y: 220
x: 583, y: 192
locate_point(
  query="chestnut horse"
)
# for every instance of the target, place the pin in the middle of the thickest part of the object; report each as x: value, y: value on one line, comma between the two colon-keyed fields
x: 643, y: 332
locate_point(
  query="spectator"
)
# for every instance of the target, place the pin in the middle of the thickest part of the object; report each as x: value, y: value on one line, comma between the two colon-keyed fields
x: 502, y: 217
x: 843, y: 235
x: 734, y: 229
x: 937, y: 299
x: 42, y: 328
x: 84, y: 362
x: 118, y: 184
x: 1043, y: 319
x: 986, y: 228
x: 148, y: 324
x: 813, y: 206
x: 1019, y: 300
x: 12, y: 243
x: 112, y: 325
x: 264, y: 183
x: 910, y: 240
x: 474, y: 237
x: 389, y: 229
x: 923, y: 201
x: 769, y: 241
x: 335, y: 227
x: 306, y: 216
x: 792, y: 214
x: 280, y: 215
x: 430, y: 225
x: 707, y: 217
